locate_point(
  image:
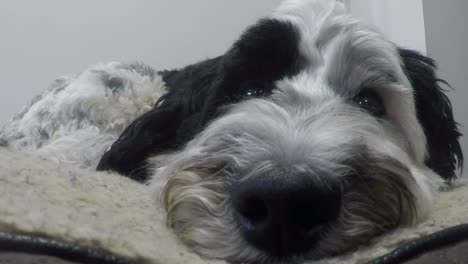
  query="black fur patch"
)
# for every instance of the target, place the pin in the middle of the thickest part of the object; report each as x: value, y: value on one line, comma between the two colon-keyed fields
x: 265, y: 53
x: 141, y: 69
x: 114, y: 83
x: 434, y: 111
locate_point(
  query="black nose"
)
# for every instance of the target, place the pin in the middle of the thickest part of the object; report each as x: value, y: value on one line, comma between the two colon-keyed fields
x: 286, y: 213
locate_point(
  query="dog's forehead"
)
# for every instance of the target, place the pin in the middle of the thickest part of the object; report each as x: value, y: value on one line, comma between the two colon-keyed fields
x: 339, y: 49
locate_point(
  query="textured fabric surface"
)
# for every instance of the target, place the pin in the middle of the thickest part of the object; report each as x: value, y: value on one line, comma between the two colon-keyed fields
x: 111, y: 212
x: 85, y: 207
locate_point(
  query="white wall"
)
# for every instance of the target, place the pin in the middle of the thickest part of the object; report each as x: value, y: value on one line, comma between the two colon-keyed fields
x: 402, y: 21
x: 41, y: 40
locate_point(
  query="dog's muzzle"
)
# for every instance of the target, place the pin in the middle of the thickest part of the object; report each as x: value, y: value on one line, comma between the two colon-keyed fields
x: 285, y: 212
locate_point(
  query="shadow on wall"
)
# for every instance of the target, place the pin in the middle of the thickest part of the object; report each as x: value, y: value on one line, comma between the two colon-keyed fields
x: 447, y: 39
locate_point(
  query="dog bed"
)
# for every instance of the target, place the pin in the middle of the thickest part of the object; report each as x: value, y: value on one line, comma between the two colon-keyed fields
x: 52, y: 213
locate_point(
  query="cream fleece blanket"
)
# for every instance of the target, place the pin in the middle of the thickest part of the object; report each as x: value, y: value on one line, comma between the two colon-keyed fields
x: 107, y: 211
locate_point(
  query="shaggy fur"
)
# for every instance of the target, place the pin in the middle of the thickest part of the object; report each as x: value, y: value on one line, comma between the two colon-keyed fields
x: 311, y: 119
x: 77, y: 119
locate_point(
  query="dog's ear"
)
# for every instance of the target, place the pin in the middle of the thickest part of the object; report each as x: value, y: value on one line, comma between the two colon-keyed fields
x: 434, y: 111
x: 171, y: 123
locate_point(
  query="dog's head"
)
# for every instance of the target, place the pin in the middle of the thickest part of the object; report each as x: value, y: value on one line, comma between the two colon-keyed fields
x: 311, y: 135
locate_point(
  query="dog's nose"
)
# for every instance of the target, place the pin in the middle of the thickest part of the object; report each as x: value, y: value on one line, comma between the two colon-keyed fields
x: 286, y: 214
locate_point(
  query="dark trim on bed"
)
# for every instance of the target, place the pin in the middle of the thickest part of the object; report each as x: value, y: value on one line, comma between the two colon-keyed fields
x: 418, y: 247
x: 41, y: 245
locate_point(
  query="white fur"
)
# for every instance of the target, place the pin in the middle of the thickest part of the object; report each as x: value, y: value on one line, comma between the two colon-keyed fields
x: 81, y: 115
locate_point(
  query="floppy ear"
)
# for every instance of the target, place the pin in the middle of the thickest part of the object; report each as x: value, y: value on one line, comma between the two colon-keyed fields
x: 434, y: 111
x: 170, y: 124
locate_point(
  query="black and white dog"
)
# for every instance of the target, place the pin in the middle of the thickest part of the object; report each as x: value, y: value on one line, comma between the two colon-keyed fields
x: 311, y: 135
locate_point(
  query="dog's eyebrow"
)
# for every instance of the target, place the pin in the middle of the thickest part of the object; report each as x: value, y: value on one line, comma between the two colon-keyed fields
x: 352, y: 67
x: 376, y: 79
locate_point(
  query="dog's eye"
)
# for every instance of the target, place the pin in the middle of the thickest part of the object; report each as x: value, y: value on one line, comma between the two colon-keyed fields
x: 370, y: 102
x: 254, y: 92
x: 253, y: 89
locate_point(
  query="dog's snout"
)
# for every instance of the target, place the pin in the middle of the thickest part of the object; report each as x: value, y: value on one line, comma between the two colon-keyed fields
x: 286, y: 214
